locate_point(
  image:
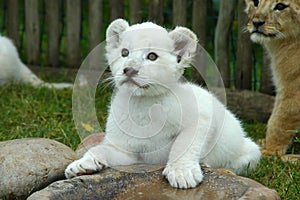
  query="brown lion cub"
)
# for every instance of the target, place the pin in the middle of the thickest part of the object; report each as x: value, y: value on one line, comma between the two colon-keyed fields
x: 276, y: 25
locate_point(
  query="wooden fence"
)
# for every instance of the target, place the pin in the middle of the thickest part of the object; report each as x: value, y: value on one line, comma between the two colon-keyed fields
x: 57, y: 28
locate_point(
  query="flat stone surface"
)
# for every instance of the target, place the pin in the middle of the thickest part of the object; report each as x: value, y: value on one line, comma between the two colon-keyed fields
x: 31, y: 164
x: 250, y: 106
x: 146, y: 182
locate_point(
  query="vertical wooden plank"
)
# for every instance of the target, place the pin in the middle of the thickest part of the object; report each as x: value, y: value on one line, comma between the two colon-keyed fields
x: 221, y: 40
x: 135, y: 11
x: 53, y: 28
x: 156, y: 11
x: 95, y: 22
x: 73, y: 17
x: 244, y: 52
x: 116, y: 9
x: 266, y: 83
x: 179, y: 12
x: 32, y: 32
x: 13, y: 21
x: 199, y: 19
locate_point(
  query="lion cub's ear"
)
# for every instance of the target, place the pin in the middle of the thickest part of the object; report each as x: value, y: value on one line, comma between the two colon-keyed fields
x: 113, y: 32
x: 185, y: 43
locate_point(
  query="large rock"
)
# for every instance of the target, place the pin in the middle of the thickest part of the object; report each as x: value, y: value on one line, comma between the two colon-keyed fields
x: 31, y: 164
x: 250, y: 106
x: 146, y: 182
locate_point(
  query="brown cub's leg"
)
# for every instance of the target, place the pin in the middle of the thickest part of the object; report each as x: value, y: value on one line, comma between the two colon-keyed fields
x: 282, y: 124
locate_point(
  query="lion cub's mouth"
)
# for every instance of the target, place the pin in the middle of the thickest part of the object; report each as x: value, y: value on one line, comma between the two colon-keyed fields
x: 259, y: 32
x: 132, y: 81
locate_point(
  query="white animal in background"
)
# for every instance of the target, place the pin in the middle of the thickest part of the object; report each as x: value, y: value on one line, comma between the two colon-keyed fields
x: 157, y: 119
x: 12, y: 70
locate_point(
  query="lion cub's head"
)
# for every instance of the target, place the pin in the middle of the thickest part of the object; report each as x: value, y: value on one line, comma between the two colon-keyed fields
x: 273, y: 19
x: 146, y: 59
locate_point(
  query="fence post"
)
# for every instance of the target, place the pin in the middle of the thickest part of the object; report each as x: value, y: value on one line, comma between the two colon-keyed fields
x: 13, y: 21
x: 135, y: 11
x: 73, y: 33
x: 53, y: 21
x: 179, y: 12
x: 95, y: 22
x: 199, y: 27
x: 243, y: 66
x: 32, y: 31
x: 199, y: 20
x: 222, y: 33
x: 116, y: 9
x: 156, y: 11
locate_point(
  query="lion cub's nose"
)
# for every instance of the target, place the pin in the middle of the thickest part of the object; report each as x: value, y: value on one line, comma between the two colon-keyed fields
x: 129, y: 71
x: 257, y: 24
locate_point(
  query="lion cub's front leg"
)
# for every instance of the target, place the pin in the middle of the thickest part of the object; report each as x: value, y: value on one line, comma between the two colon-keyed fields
x: 183, y: 169
x: 281, y: 125
x: 98, y: 157
x: 183, y: 174
x: 86, y: 165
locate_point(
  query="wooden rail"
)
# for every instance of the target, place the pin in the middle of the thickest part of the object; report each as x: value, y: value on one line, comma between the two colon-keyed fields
x: 55, y: 30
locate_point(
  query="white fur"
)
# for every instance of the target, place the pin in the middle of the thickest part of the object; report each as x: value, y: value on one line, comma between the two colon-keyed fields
x: 12, y: 70
x: 161, y: 120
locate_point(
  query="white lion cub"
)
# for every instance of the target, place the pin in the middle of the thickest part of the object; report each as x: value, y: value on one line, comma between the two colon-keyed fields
x: 155, y: 118
x: 12, y: 70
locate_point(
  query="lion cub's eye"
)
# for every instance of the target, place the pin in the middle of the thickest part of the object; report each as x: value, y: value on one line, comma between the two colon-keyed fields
x: 280, y: 6
x: 152, y: 56
x: 256, y: 2
x: 125, y: 52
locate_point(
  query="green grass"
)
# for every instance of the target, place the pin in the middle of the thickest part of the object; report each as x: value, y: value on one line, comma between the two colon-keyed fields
x: 29, y: 112
x: 284, y: 177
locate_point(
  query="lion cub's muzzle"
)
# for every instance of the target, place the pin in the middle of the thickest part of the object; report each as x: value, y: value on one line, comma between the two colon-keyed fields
x: 130, y: 73
x: 258, y: 28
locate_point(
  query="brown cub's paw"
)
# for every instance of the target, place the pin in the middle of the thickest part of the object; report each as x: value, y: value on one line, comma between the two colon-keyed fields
x: 270, y: 152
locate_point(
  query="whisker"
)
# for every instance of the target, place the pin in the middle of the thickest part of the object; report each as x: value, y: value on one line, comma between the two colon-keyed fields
x: 108, y: 82
x: 245, y: 29
x: 281, y: 35
x: 109, y: 79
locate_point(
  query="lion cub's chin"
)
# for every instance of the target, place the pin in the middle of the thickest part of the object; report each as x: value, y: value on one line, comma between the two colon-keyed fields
x: 259, y: 38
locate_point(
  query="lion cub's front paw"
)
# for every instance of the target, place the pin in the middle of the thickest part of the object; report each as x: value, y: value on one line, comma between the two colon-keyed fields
x: 183, y: 176
x: 85, y: 165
